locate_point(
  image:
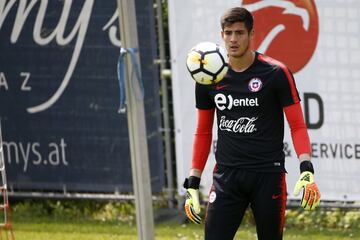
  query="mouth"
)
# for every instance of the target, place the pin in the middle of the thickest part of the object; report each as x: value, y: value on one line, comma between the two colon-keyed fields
x: 234, y: 48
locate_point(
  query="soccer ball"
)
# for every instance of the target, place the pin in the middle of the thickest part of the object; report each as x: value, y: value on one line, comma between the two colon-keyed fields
x: 207, y: 63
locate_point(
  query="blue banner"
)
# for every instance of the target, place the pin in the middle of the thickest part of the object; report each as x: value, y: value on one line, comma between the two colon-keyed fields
x: 59, y: 96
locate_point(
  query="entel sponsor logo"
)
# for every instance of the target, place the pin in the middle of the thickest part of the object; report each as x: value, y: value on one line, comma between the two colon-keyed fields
x: 229, y: 102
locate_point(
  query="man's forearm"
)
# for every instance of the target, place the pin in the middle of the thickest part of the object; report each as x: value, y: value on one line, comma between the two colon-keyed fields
x: 304, y: 157
x: 195, y: 172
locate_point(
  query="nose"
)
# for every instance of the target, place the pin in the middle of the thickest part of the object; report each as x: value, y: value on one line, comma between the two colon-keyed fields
x: 233, y: 38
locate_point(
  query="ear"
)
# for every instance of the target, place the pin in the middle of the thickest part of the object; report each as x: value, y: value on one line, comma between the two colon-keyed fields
x: 251, y: 33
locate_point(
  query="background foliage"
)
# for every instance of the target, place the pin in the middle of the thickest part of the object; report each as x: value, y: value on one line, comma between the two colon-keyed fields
x: 124, y: 212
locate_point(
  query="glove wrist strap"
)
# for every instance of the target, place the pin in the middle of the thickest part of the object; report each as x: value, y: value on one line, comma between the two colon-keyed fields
x: 306, y: 166
x: 192, y: 182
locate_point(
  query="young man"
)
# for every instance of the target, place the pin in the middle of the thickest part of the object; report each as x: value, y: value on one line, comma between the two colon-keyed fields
x: 250, y: 171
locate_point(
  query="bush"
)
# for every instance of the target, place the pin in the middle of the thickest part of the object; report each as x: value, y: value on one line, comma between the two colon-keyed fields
x: 116, y: 211
x: 74, y: 210
x: 124, y: 212
x: 334, y: 218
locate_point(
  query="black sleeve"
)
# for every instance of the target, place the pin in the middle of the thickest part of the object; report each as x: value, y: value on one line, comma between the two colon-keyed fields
x: 203, y: 97
x: 286, y: 88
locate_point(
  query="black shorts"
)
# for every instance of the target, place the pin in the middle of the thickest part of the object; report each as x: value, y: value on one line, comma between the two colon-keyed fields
x: 233, y: 191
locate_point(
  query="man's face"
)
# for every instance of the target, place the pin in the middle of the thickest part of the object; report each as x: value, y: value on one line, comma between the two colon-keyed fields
x: 237, y: 39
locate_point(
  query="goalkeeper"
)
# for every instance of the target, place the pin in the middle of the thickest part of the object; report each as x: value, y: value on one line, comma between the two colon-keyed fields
x: 249, y: 154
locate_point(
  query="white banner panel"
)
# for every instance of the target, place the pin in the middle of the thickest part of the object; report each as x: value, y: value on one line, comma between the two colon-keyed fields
x: 320, y: 42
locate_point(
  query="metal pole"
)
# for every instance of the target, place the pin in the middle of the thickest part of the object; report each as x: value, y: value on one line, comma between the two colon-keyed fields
x: 165, y: 104
x: 137, y: 128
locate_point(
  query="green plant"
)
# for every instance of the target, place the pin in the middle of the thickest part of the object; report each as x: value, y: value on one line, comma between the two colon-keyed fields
x: 124, y: 212
x: 335, y: 218
x: 116, y: 211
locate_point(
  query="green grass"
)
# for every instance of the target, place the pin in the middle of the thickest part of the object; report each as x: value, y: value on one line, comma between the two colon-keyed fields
x: 51, y: 229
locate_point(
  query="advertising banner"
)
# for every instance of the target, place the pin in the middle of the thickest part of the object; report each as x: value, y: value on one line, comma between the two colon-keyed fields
x: 320, y: 42
x: 59, y: 96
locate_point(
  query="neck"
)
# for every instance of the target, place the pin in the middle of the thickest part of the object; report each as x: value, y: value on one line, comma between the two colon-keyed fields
x: 240, y: 64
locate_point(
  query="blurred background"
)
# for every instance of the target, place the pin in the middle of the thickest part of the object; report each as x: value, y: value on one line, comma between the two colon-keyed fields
x: 66, y: 147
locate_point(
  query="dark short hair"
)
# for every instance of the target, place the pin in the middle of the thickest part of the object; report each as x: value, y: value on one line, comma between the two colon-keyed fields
x: 237, y: 14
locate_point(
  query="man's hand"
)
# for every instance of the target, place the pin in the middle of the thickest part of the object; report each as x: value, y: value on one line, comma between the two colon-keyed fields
x: 311, y: 194
x: 192, y: 203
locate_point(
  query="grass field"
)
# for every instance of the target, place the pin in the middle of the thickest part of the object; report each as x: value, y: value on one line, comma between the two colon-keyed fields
x: 51, y: 229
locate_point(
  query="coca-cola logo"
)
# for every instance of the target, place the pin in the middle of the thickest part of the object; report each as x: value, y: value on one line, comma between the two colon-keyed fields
x: 240, y: 125
x: 286, y: 30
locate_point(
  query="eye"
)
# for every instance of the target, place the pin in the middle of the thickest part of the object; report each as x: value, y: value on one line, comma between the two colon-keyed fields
x: 240, y: 32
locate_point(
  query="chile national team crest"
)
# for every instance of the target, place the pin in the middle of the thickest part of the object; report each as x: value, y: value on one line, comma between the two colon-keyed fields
x: 255, y: 84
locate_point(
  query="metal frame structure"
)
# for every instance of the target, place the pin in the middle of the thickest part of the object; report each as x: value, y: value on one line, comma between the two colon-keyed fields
x: 74, y: 195
x: 5, y: 224
x: 136, y: 124
x: 165, y: 77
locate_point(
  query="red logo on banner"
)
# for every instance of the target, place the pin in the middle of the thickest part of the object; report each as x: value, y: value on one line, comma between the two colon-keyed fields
x: 286, y: 30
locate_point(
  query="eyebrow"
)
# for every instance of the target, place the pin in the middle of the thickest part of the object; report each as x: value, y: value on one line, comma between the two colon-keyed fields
x: 237, y: 30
